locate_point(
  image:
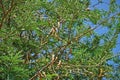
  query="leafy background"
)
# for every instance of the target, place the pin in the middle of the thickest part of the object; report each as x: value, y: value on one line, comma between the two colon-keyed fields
x: 59, y: 40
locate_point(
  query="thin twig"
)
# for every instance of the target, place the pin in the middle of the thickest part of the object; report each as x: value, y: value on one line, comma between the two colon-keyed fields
x: 6, y: 13
x: 2, y: 6
x: 43, y: 68
x: 89, y: 66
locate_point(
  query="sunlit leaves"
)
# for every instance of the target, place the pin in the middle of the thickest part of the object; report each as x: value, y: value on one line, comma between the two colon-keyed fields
x: 35, y: 30
x: 12, y: 65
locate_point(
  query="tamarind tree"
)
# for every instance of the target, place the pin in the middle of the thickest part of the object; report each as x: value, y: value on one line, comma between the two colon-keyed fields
x: 58, y: 40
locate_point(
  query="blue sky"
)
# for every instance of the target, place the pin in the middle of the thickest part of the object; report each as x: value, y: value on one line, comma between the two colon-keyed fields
x: 101, y: 30
x: 104, y: 5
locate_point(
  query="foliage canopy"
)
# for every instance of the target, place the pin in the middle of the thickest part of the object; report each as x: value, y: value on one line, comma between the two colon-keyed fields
x: 56, y: 40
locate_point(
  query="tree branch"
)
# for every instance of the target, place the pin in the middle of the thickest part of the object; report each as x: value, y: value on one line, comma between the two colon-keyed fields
x: 43, y: 68
x: 7, y: 12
